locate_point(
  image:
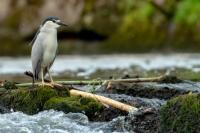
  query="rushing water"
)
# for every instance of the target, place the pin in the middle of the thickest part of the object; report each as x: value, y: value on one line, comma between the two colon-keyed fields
x: 89, y: 64
x: 55, y: 122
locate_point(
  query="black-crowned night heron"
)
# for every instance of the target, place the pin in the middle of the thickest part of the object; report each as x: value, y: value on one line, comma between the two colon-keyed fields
x: 44, y: 48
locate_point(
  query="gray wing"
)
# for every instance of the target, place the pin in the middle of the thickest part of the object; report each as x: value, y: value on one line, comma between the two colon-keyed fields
x: 37, y: 56
x: 33, y: 41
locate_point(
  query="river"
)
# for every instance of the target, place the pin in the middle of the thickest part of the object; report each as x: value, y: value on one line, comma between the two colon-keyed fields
x: 57, y: 122
x: 88, y: 64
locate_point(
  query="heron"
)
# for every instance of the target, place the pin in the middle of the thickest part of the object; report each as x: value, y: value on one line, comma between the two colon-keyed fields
x: 44, y: 48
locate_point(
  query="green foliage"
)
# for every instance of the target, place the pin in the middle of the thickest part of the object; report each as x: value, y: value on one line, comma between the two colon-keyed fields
x: 188, y: 12
x: 73, y: 104
x: 129, y: 25
x: 137, y: 33
x: 181, y: 114
x: 125, y: 6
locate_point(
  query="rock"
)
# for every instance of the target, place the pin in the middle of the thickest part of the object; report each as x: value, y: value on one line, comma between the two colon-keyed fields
x: 78, y: 117
x: 4, y: 110
x: 154, y: 90
x: 74, y: 104
x: 32, y: 101
x: 181, y: 114
x: 138, y: 122
x: 29, y: 101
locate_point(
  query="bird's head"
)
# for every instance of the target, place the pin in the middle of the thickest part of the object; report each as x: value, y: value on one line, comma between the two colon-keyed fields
x: 52, y: 22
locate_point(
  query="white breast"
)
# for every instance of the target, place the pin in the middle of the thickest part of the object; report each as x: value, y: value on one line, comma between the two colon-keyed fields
x: 50, y: 48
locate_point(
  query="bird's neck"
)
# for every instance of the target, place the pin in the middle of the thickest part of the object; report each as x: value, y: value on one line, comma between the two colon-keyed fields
x: 48, y: 30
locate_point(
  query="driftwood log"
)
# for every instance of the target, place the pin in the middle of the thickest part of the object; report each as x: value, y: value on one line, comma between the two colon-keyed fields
x: 104, y: 100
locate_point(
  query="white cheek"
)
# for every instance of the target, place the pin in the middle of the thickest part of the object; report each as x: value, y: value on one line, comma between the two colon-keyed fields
x: 53, y: 25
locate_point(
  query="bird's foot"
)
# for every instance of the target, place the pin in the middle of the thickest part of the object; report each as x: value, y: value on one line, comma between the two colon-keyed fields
x: 46, y: 84
x: 56, y: 84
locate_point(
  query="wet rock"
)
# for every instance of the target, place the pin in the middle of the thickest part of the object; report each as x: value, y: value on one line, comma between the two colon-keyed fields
x: 154, y: 90
x: 170, y: 79
x: 137, y: 101
x: 142, y: 121
x: 78, y: 117
x: 108, y: 114
x: 4, y: 110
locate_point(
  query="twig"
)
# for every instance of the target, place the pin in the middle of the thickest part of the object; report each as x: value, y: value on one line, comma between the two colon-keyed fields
x: 99, y: 82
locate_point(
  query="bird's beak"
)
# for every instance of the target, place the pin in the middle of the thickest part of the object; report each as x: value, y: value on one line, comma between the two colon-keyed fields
x: 61, y: 24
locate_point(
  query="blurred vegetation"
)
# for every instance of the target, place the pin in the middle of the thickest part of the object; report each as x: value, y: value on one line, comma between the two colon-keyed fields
x: 125, y: 25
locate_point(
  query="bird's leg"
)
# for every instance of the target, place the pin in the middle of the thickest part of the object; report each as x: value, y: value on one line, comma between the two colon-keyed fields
x: 52, y: 82
x: 42, y: 76
x: 33, y: 81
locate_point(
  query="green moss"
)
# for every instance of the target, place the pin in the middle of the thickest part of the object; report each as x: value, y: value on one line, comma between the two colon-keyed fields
x: 73, y: 104
x: 30, y: 101
x: 9, y: 85
x: 181, y: 114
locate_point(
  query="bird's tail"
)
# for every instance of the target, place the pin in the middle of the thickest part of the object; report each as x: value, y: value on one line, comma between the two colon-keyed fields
x: 30, y: 74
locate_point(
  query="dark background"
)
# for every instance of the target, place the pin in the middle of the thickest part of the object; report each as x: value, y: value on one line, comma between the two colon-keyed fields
x: 103, y: 26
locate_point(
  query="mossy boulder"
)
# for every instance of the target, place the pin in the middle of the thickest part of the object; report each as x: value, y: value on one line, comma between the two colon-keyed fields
x: 29, y: 101
x: 181, y: 114
x: 73, y: 104
x: 32, y: 101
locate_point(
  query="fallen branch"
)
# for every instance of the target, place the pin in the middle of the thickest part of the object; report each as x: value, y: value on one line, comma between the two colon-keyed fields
x: 89, y: 82
x: 104, y: 100
x: 99, y: 82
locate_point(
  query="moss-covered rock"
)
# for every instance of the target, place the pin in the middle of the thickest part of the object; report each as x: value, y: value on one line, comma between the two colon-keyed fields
x: 73, y: 104
x: 32, y: 101
x: 9, y: 85
x: 29, y: 101
x: 181, y: 114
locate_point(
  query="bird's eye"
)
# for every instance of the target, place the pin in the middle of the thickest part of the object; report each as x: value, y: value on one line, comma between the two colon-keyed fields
x: 53, y: 21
